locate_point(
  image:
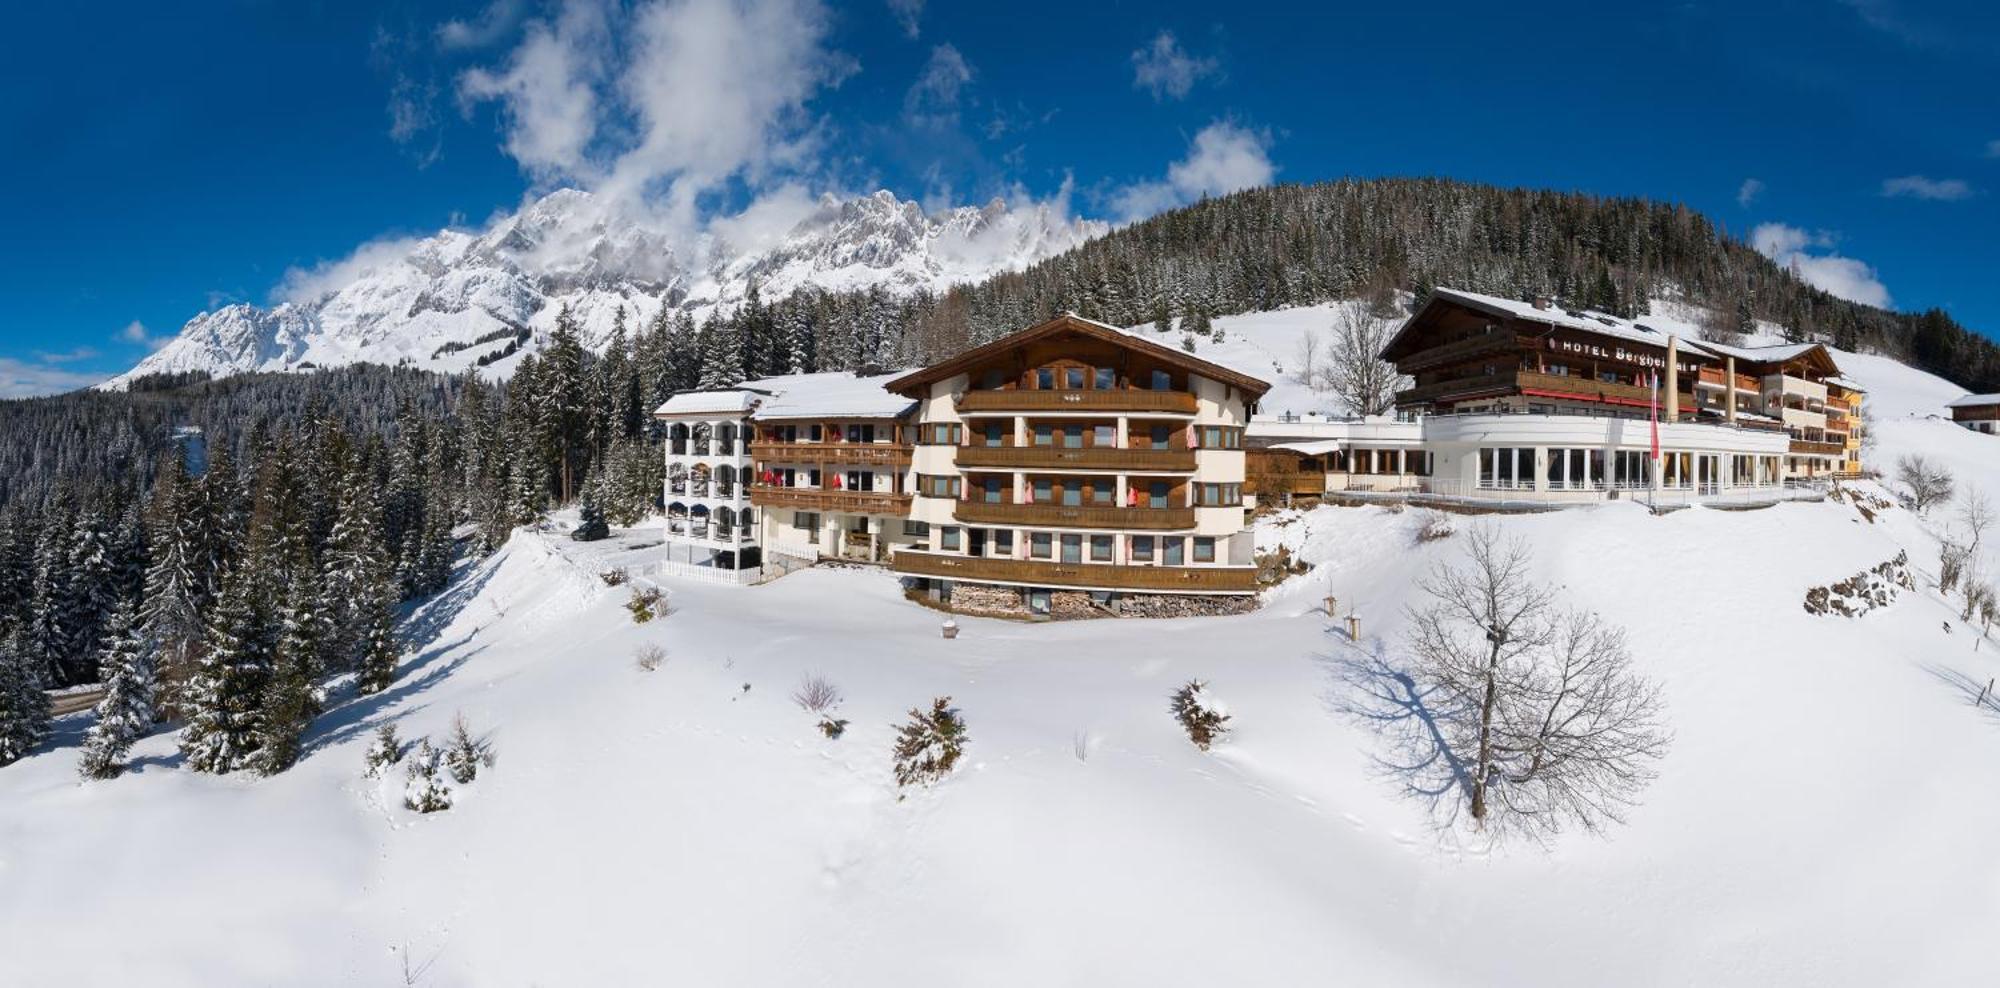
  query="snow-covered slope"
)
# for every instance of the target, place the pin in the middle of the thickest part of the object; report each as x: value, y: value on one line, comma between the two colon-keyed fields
x: 442, y: 302
x: 1821, y: 818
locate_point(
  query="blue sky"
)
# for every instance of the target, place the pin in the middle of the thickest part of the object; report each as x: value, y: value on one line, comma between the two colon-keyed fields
x: 161, y: 161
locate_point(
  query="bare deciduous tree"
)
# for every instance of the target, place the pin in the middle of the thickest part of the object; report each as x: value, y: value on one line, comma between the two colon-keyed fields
x: 816, y: 694
x: 1519, y: 713
x: 1355, y: 371
x: 1928, y: 483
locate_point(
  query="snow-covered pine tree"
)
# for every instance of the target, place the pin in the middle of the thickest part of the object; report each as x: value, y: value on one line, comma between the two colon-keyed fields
x: 563, y: 410
x: 127, y: 712
x: 24, y: 707
x: 355, y: 569
x: 225, y: 696
x: 464, y: 752
x: 377, y: 650
x: 426, y: 791
x: 293, y: 697
x: 384, y: 750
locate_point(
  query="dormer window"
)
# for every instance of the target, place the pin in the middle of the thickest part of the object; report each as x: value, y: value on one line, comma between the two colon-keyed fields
x: 1045, y: 378
x: 1073, y: 378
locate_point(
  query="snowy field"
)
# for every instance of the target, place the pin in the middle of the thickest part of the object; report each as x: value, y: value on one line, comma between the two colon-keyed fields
x: 1825, y: 815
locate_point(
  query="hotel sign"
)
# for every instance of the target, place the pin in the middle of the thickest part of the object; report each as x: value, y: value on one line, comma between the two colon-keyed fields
x: 1614, y: 353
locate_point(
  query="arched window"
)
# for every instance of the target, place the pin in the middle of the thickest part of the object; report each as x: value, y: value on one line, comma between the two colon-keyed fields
x: 725, y: 439
x: 677, y: 518
x: 677, y: 479
x: 698, y: 481
x: 725, y: 481
x: 703, y: 432
x: 725, y: 523
x: 698, y: 521
x: 677, y: 439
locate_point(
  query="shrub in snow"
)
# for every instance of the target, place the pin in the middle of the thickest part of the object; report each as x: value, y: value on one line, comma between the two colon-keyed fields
x: 426, y: 791
x: 1864, y: 591
x: 929, y: 745
x: 833, y: 727
x: 816, y: 694
x: 385, y: 750
x: 649, y: 657
x: 1435, y: 526
x: 647, y: 603
x: 614, y: 577
x: 1204, y: 721
x: 464, y: 753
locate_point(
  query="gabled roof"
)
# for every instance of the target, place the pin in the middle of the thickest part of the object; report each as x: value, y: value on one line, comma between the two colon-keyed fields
x: 911, y: 384
x: 1598, y: 323
x: 1970, y: 401
x: 1783, y: 353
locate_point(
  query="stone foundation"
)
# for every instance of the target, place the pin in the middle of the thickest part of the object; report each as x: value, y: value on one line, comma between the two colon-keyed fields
x: 985, y: 600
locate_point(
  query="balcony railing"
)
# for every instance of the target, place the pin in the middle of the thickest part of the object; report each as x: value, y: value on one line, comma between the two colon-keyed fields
x: 1095, y: 576
x: 1075, y: 458
x: 1458, y: 350
x: 1074, y: 516
x: 1715, y: 376
x: 835, y: 454
x: 1810, y: 448
x: 1581, y: 388
x: 838, y: 502
x: 1117, y: 400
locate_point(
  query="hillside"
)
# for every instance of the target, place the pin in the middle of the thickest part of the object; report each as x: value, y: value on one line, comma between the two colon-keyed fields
x: 1817, y: 821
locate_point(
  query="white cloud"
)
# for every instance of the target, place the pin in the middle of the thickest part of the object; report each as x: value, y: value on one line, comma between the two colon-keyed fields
x: 135, y: 332
x: 1167, y: 70
x: 21, y: 379
x: 933, y: 98
x: 1748, y: 192
x: 1993, y: 149
x: 1811, y: 256
x: 547, y: 91
x: 67, y: 356
x: 1924, y: 187
x: 490, y: 26
x: 908, y: 13
x: 767, y: 219
x: 1222, y: 158
x: 306, y: 284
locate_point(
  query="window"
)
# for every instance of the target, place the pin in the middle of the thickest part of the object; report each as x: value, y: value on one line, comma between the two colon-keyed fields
x: 1003, y: 542
x: 1506, y: 466
x: 993, y: 379
x: 932, y: 485
x: 1163, y: 436
x: 1204, y: 549
x: 860, y: 480
x: 1100, y: 548
x: 916, y: 529
x: 1044, y: 491
x: 990, y: 489
x: 1045, y: 434
x: 1072, y: 437
x: 1073, y: 378
x: 1045, y: 378
x: 1157, y: 493
x: 1072, y: 492
x: 812, y: 478
x: 805, y: 521
x: 1100, y: 492
x: 861, y: 433
x: 1142, y: 548
x: 1219, y: 495
x: 1104, y: 436
x: 996, y: 432
x: 1072, y: 548
x: 940, y: 433
x: 1106, y: 379
x: 1173, y: 548
x: 1162, y: 381
x: 950, y: 538
x: 1038, y: 601
x: 1041, y: 545
x: 814, y: 432
x: 1221, y: 437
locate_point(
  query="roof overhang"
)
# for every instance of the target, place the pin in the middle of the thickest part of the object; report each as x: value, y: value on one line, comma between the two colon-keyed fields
x: 914, y: 383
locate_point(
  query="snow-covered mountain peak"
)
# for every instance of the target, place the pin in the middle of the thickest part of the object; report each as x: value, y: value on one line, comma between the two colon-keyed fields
x: 448, y: 300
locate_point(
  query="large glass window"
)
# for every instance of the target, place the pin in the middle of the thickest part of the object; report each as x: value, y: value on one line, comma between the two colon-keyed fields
x: 1142, y: 548
x: 1174, y: 553
x: 1073, y: 437
x: 1003, y: 542
x: 1044, y: 490
x: 1163, y: 436
x: 1100, y: 548
x: 1104, y: 436
x: 1106, y: 379
x: 1041, y: 545
x: 990, y: 489
x: 1045, y: 434
x: 1072, y: 492
x: 996, y: 432
x: 1072, y: 548
x: 1045, y: 378
x: 949, y: 538
x: 1162, y: 381
x: 1204, y: 549
x: 1157, y: 492
x: 1073, y: 378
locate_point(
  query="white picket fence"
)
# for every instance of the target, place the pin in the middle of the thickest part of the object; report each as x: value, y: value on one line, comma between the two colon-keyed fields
x: 700, y: 574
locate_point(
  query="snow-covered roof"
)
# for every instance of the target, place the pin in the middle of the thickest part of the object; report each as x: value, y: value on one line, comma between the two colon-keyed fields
x: 1764, y: 354
x: 1972, y: 400
x: 1845, y: 384
x: 834, y: 394
x: 1585, y: 321
x: 733, y: 401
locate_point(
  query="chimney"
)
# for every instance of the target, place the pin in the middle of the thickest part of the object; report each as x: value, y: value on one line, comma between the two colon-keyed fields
x: 1541, y: 301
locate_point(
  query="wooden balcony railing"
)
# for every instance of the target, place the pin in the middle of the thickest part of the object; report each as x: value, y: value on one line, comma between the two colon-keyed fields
x: 1075, y: 458
x: 1095, y: 576
x: 1074, y: 516
x: 834, y: 454
x: 1808, y: 447
x: 1581, y: 388
x: 840, y: 502
x: 1464, y: 349
x: 1119, y: 400
x: 1715, y: 375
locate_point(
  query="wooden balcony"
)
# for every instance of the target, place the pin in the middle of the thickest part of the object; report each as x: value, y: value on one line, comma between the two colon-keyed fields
x: 837, y: 502
x: 1094, y: 576
x: 1076, y: 458
x: 1512, y: 382
x: 1464, y: 349
x: 1034, y: 400
x: 1809, y: 448
x: 833, y: 454
x: 1714, y: 376
x: 1074, y: 516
